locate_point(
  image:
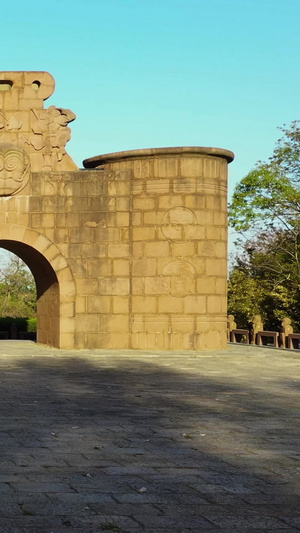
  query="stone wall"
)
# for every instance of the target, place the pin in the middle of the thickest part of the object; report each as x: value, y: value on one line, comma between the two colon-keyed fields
x: 130, y: 252
x: 176, y: 255
x: 142, y: 239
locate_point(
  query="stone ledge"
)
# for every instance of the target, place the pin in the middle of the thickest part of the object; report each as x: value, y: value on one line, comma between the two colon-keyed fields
x: 93, y: 162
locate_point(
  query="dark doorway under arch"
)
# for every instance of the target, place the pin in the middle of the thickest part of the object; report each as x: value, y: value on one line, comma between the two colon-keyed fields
x: 47, y: 286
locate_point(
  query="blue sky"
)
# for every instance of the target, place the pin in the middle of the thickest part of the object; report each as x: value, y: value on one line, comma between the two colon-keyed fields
x: 151, y: 73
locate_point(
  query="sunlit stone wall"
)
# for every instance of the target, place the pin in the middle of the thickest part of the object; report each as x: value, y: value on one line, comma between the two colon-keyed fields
x: 130, y: 252
x: 174, y: 256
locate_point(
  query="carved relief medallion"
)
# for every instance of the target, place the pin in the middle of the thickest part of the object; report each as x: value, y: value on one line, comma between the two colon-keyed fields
x: 14, y: 169
x: 181, y: 276
x: 179, y: 224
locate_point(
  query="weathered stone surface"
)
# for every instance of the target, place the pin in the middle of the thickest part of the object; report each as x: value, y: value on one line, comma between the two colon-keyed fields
x: 24, y: 123
x: 168, y: 443
x: 128, y: 253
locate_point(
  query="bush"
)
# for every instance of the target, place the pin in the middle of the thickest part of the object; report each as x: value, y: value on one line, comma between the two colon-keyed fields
x: 23, y: 324
x: 31, y: 325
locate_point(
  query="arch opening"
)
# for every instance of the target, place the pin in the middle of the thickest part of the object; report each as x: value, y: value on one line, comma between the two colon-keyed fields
x: 47, y: 286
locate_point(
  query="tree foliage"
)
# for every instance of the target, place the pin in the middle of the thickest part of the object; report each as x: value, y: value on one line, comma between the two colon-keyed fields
x: 17, y: 290
x: 265, y: 210
x: 265, y: 281
x: 269, y: 196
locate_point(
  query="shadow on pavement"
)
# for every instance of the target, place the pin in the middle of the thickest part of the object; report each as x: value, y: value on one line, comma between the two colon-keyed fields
x: 99, y: 442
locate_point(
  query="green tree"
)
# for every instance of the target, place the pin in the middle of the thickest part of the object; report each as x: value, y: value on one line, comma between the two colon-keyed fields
x: 264, y: 280
x: 17, y: 290
x: 265, y: 211
x: 269, y: 196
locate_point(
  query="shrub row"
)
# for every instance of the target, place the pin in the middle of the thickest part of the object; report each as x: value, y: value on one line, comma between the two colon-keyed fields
x: 23, y: 324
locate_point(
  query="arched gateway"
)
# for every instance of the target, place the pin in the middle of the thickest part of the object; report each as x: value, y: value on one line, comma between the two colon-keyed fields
x: 130, y: 252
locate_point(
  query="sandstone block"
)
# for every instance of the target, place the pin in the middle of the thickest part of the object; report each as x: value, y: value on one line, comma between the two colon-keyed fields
x: 184, y: 185
x: 120, y: 304
x: 206, y: 285
x: 118, y: 250
x: 216, y: 267
x: 144, y: 304
x: 213, y: 233
x: 184, y: 249
x: 158, y: 285
x: 221, y: 286
x: 123, y: 204
x: 169, y: 304
x: 137, y: 249
x: 99, y: 267
x: 194, y: 201
x: 165, y: 168
x: 84, y: 288
x: 137, y: 286
x: 86, y: 323
x: 114, y: 286
x: 98, y: 304
x: 67, y: 309
x: 81, y: 304
x: 158, y: 186
x: 114, y: 323
x: 144, y: 203
x: 152, y: 218
x: 144, y: 267
x: 67, y: 325
x: 144, y: 234
x: 191, y: 167
x: 195, y: 304
x: 168, y: 201
x: 157, y: 249
x: 136, y: 219
x: 121, y: 267
x: 214, y: 304
x: 141, y: 169
x: 213, y: 202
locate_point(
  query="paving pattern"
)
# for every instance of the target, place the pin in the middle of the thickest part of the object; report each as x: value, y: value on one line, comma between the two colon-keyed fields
x: 134, y: 442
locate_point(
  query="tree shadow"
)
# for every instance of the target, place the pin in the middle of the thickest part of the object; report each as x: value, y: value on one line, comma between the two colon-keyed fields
x: 147, y: 443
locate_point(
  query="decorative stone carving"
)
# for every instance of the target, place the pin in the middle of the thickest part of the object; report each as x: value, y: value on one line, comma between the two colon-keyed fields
x: 13, y: 124
x: 2, y: 121
x: 285, y: 330
x: 14, y: 169
x: 181, y: 277
x: 106, y: 276
x: 179, y: 224
x: 231, y: 324
x: 255, y: 327
x: 43, y: 133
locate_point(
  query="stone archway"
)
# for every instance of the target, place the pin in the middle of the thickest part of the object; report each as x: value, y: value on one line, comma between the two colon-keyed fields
x: 130, y: 252
x: 54, y: 282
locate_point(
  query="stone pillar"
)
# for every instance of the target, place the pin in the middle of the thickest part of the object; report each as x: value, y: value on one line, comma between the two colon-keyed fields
x: 177, y: 246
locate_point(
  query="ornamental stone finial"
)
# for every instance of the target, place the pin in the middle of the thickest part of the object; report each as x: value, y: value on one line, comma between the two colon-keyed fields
x: 29, y: 129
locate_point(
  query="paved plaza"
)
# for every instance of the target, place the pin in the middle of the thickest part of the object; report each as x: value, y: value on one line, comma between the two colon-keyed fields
x: 131, y: 442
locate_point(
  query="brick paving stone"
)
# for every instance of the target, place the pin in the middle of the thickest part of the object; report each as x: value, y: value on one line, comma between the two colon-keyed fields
x: 153, y: 443
x: 146, y: 497
x: 98, y: 522
x: 242, y: 523
x: 188, y: 521
x: 40, y: 487
x: 291, y: 520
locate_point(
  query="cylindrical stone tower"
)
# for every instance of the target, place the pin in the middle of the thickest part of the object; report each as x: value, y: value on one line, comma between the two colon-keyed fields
x: 177, y: 236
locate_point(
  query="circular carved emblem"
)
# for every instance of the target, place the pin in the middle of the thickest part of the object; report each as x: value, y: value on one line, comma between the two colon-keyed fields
x: 182, y: 278
x: 179, y: 224
x: 14, y: 169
